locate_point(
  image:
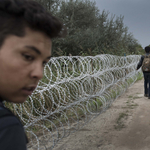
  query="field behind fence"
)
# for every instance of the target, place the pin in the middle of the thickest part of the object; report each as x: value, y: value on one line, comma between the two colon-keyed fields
x: 73, y: 91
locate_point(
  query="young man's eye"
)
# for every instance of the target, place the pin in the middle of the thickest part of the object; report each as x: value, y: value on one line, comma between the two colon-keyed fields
x: 28, y: 57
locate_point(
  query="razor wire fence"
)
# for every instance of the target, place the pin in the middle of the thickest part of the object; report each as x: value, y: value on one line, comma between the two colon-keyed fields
x: 73, y: 91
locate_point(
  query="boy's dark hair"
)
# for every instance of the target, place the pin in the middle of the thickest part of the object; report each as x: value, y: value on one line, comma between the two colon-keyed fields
x: 147, y: 49
x: 16, y: 15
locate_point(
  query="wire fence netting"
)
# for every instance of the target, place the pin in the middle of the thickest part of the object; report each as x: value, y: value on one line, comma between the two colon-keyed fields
x: 73, y: 91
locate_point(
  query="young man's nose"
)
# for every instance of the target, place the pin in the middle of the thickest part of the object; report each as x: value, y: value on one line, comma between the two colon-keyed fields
x: 37, y: 71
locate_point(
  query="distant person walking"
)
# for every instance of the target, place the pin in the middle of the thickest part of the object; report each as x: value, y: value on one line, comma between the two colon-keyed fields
x: 145, y: 64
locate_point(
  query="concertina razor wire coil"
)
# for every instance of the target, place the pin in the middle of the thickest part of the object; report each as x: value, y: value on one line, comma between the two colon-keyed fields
x: 73, y: 91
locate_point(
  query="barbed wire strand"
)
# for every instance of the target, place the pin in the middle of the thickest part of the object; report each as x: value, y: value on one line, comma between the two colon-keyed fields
x: 73, y: 91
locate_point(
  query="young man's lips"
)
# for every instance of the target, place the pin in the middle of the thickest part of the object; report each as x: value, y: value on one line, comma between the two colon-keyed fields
x: 28, y: 90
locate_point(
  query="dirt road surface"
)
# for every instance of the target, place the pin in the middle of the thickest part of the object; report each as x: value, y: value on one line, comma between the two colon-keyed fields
x: 124, y: 126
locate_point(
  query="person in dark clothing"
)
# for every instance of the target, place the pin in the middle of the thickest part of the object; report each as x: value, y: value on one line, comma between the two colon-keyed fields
x: 26, y: 32
x: 12, y: 134
x: 146, y: 74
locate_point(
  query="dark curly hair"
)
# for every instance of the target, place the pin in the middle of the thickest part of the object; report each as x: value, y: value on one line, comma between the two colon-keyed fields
x: 147, y: 49
x: 16, y: 15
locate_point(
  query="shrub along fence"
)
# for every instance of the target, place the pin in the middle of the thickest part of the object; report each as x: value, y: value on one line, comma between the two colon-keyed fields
x: 73, y: 91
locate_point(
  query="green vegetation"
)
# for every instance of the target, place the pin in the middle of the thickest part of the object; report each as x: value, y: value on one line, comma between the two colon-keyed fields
x: 90, y: 31
x: 130, y: 102
x: 130, y: 96
x: 139, y: 76
x: 131, y: 105
x: 120, y: 121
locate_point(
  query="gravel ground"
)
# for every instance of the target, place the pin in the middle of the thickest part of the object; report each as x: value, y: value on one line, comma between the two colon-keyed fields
x: 124, y: 126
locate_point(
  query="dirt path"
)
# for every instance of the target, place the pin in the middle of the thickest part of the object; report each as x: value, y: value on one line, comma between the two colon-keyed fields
x: 124, y: 126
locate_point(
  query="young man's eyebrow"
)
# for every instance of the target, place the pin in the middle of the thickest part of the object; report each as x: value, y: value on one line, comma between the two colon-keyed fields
x: 36, y: 50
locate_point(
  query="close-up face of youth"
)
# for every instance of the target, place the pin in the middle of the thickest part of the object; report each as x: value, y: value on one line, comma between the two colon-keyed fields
x: 22, y: 61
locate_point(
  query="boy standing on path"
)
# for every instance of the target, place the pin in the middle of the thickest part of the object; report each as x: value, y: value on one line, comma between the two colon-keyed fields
x: 26, y: 30
x: 145, y: 64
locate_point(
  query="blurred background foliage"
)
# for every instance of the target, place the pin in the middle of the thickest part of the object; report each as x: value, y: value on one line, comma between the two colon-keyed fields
x: 90, y: 31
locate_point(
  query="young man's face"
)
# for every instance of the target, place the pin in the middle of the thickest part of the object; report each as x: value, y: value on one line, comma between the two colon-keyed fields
x: 22, y: 61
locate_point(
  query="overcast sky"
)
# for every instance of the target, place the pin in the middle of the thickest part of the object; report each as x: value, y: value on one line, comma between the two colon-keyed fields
x: 136, y: 16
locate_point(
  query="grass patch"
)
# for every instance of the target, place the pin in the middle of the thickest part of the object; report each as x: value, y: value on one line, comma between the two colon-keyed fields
x: 120, y: 121
x: 133, y: 97
x: 139, y: 76
x: 136, y: 97
x: 130, y: 103
x: 132, y: 106
x: 130, y: 96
